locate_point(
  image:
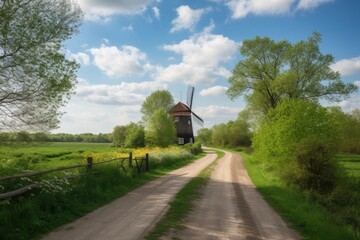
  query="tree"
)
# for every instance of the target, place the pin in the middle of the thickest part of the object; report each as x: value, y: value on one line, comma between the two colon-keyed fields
x: 160, y: 99
x: 135, y: 136
x: 35, y: 77
x: 160, y: 130
x: 204, y: 135
x: 119, y: 135
x: 273, y: 71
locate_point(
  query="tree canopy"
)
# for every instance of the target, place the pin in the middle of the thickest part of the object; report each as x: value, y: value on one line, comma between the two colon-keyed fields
x: 35, y: 77
x: 160, y: 99
x: 273, y: 71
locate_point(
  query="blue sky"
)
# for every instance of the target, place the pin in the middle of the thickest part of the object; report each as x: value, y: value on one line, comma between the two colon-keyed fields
x: 130, y: 48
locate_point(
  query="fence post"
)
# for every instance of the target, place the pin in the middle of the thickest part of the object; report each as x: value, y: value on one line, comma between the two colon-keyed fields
x: 130, y: 159
x: 147, y: 162
x: 90, y: 165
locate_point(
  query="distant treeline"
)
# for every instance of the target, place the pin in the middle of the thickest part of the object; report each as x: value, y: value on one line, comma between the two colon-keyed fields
x: 56, y: 137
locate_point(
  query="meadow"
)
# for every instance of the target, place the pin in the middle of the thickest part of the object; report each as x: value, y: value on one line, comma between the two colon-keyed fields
x: 58, y: 201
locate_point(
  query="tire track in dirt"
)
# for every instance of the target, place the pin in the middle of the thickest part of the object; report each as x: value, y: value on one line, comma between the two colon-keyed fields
x: 231, y: 208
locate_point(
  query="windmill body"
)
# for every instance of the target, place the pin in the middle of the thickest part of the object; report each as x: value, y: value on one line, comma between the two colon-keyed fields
x: 183, y: 116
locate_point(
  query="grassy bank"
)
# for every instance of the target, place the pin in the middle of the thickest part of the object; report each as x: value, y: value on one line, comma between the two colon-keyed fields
x: 183, y: 203
x: 58, y: 202
x: 300, y: 209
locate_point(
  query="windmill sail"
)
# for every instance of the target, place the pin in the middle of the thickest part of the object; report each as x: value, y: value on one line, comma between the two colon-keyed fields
x: 190, y: 96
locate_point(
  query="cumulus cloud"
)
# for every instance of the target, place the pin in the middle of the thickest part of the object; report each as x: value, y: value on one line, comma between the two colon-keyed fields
x: 80, y: 57
x: 120, y: 94
x: 156, y: 12
x: 100, y: 10
x: 202, y: 55
x: 350, y: 104
x: 309, y: 4
x: 214, y: 111
x: 119, y: 62
x: 357, y: 83
x: 213, y: 91
x: 347, y: 67
x: 242, y: 8
x: 187, y: 18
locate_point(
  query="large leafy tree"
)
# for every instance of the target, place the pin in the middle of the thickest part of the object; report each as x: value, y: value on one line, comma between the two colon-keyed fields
x: 273, y: 71
x: 35, y: 77
x: 160, y: 129
x: 160, y: 99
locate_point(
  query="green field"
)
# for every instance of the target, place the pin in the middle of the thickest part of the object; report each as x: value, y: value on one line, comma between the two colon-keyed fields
x: 16, y: 157
x: 351, y: 164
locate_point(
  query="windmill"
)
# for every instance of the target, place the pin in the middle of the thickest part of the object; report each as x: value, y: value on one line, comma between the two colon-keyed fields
x: 183, y: 116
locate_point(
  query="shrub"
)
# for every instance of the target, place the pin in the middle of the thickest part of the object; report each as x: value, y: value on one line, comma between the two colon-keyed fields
x: 289, y: 140
x: 315, y: 166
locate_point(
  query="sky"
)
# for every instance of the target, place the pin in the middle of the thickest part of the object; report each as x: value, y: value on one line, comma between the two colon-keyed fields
x: 128, y: 49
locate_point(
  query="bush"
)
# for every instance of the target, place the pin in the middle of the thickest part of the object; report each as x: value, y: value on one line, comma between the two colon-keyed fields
x: 289, y: 140
x: 193, y: 148
x: 315, y: 166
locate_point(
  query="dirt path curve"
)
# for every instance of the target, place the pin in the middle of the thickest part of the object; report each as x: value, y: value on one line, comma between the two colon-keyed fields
x: 131, y: 216
x: 231, y: 208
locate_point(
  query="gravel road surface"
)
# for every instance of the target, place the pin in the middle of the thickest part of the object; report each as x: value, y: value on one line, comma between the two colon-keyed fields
x: 131, y: 216
x: 231, y: 208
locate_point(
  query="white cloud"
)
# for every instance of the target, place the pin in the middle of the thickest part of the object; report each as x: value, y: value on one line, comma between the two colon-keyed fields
x: 350, y: 104
x: 80, y: 57
x: 357, y: 83
x: 100, y: 10
x: 128, y: 28
x: 202, y: 55
x: 187, y: 18
x: 213, y: 91
x: 120, y: 94
x: 347, y: 66
x: 116, y: 62
x: 156, y: 12
x: 309, y: 4
x: 241, y: 8
x: 214, y: 111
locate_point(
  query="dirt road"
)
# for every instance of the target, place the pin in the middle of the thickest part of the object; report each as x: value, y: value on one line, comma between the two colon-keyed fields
x: 231, y: 208
x: 131, y: 216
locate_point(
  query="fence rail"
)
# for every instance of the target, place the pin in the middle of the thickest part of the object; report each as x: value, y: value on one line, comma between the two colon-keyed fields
x: 89, y: 170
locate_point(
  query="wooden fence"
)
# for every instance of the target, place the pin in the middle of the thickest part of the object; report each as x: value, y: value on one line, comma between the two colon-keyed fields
x: 123, y: 162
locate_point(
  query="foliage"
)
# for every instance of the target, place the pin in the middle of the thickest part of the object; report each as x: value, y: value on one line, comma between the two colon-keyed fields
x: 160, y: 130
x: 280, y: 141
x: 135, y: 136
x: 316, y: 166
x: 232, y: 134
x: 160, y: 99
x: 349, y: 130
x: 273, y: 71
x: 194, y: 148
x: 36, y: 78
x: 204, y: 135
x: 119, y: 135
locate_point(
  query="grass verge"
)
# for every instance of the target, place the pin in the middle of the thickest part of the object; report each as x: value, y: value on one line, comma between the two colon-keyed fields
x: 311, y: 219
x: 183, y: 203
x: 32, y: 215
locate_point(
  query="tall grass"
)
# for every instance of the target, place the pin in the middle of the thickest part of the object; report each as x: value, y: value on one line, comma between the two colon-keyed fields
x: 58, y: 202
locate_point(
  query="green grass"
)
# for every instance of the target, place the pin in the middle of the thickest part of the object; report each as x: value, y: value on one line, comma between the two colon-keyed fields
x: 56, y: 203
x: 300, y: 209
x: 15, y: 156
x: 351, y: 164
x: 183, y: 203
